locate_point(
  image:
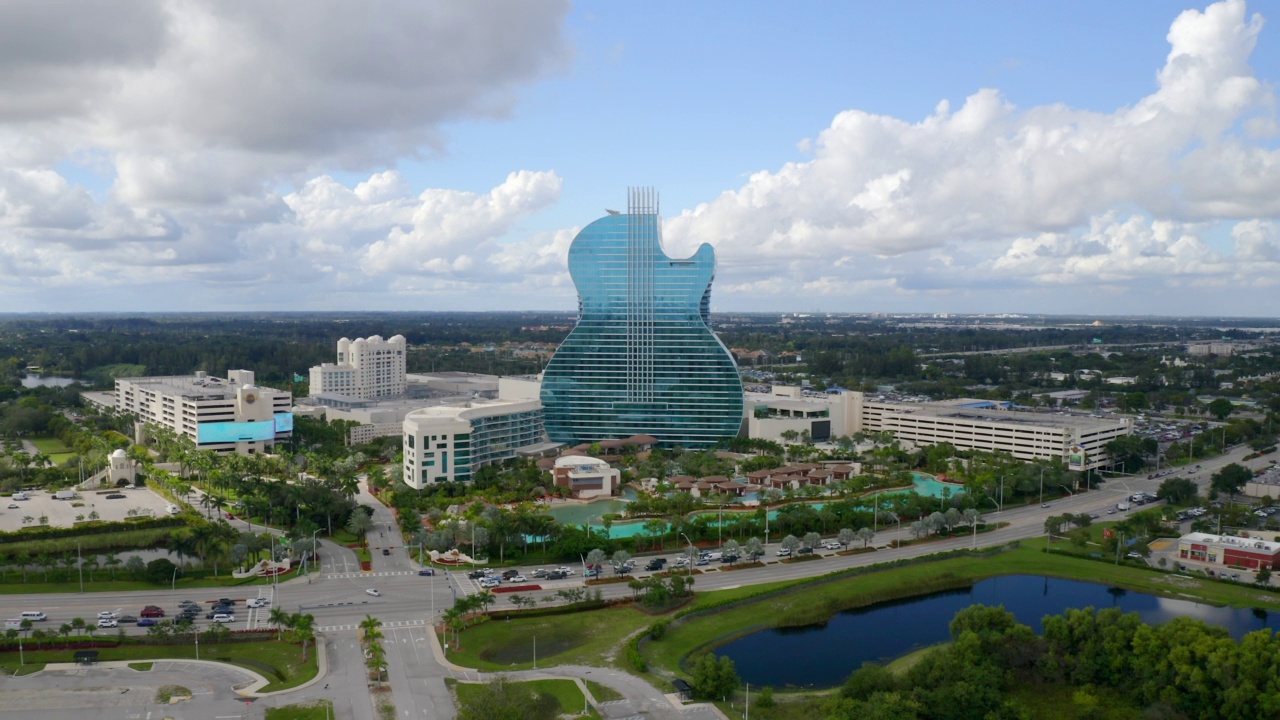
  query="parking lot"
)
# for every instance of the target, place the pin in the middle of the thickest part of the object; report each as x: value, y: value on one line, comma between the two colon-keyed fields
x: 63, y: 513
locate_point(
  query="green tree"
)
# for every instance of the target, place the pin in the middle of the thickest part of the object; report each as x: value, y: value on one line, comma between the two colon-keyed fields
x: 1230, y: 479
x: 1220, y: 408
x: 1178, y: 490
x: 714, y: 677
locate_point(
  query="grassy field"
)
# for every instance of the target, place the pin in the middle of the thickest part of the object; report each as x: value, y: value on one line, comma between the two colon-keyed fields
x: 103, y: 583
x: 561, y: 639
x: 280, y: 663
x: 566, y: 692
x: 314, y: 710
x: 602, y: 693
x: 50, y: 445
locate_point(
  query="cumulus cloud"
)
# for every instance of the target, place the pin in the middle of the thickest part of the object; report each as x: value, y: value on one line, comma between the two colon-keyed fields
x: 1032, y: 192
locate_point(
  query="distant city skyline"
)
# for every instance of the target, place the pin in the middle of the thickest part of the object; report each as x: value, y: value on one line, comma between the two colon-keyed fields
x: 1086, y: 158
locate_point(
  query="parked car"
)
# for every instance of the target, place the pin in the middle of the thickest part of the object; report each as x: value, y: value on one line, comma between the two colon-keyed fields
x: 783, y: 552
x: 14, y: 506
x: 806, y: 551
x: 373, y: 592
x: 258, y: 602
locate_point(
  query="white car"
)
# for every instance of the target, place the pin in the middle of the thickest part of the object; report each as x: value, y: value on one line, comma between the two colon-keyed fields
x: 106, y: 623
x: 373, y: 592
x: 107, y: 615
x: 224, y: 618
x: 783, y: 552
x: 565, y: 569
x: 517, y: 578
x: 490, y: 582
x: 258, y: 602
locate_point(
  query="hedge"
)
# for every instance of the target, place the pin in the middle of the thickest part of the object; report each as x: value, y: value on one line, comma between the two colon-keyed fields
x: 46, y: 532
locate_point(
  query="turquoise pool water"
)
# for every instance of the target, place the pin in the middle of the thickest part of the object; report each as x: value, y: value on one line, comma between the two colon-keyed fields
x: 924, y: 484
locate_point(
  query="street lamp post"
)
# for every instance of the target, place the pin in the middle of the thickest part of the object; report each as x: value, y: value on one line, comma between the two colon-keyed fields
x: 1041, y: 484
x: 686, y: 538
x: 315, y: 550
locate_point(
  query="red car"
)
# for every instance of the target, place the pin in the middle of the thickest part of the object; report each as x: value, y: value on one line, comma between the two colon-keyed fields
x: 152, y: 612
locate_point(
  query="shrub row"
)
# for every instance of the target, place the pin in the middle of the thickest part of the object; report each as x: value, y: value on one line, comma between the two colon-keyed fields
x: 45, y: 532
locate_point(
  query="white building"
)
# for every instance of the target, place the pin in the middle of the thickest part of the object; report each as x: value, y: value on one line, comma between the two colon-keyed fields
x: 585, y: 477
x: 968, y: 424
x: 366, y: 368
x: 450, y: 442
x: 231, y: 415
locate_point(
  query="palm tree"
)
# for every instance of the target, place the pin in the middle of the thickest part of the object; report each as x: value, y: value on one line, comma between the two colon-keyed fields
x: 281, y: 619
x: 23, y: 560
x: 112, y: 561
x: 302, y: 628
x: 370, y: 626
x: 77, y: 624
x: 91, y: 564
x: 46, y: 561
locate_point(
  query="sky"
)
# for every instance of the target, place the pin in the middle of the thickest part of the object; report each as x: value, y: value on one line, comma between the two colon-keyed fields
x: 1080, y: 157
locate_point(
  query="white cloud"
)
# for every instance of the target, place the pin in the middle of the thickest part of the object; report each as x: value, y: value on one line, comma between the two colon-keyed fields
x: 1033, y: 192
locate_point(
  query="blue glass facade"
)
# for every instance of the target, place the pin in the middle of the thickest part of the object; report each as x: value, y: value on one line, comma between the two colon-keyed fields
x: 642, y: 359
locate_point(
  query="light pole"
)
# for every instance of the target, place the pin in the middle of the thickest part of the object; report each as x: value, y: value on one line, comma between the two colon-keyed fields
x: 686, y: 538
x: 80, y: 564
x: 1041, y: 484
x: 315, y: 550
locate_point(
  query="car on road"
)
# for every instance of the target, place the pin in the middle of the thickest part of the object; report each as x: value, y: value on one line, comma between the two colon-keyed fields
x: 783, y: 552
x: 426, y: 572
x: 653, y: 566
x: 151, y: 611
x: 1111, y: 511
x: 226, y: 601
x: 220, y: 610
x: 1045, y: 505
x: 107, y: 622
x: 490, y: 582
x: 258, y: 602
x: 540, y: 573
x: 186, y: 616
x: 1093, y: 515
x: 565, y: 569
x: 147, y: 622
x: 386, y: 551
x: 516, y: 579
x: 1134, y: 555
x: 224, y: 618
x: 126, y: 619
x: 14, y: 506
x: 107, y: 615
x: 508, y: 574
x: 477, y: 574
x: 556, y: 575
x: 373, y: 592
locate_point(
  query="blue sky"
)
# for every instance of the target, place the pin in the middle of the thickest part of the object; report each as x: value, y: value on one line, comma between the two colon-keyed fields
x: 851, y: 157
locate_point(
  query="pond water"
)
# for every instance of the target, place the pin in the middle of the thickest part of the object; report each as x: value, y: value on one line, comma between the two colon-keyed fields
x: 824, y: 655
x: 31, y: 381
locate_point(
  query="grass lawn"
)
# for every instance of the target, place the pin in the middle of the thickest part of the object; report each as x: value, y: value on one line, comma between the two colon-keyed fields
x: 102, y: 583
x: 314, y: 710
x: 141, y: 666
x: 906, y: 662
x: 602, y: 693
x: 562, y: 640
x: 281, y: 663
x: 50, y: 445
x: 566, y: 692
x: 1057, y: 702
